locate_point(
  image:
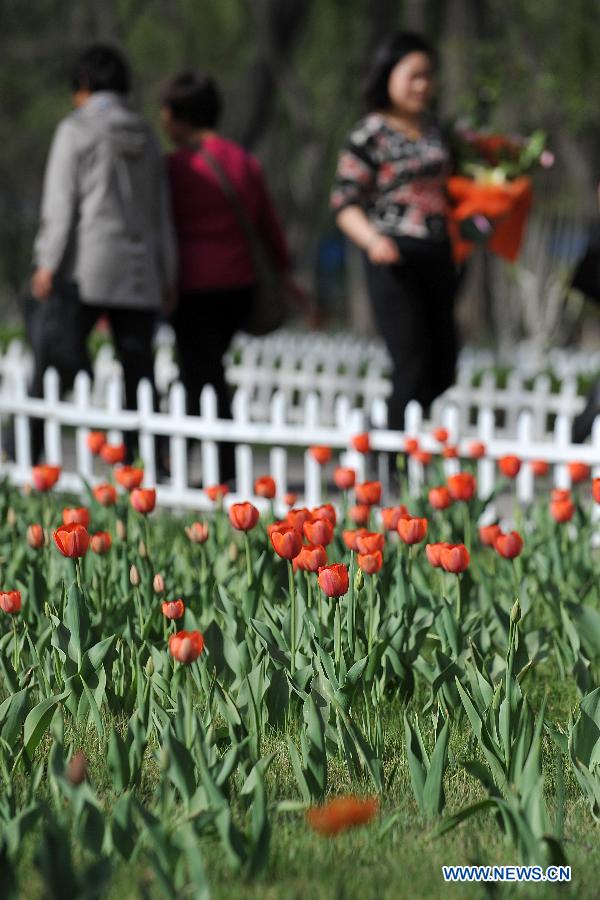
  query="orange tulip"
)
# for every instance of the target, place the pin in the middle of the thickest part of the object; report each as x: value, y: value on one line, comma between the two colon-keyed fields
x: 289, y: 499
x: 105, y: 494
x: 286, y: 541
x: 321, y: 454
x: 72, y: 540
x: 433, y: 553
x: 461, y: 486
x: 578, y: 471
x: 344, y: 478
x: 297, y: 517
x: 45, y: 477
x: 360, y: 513
x: 439, y: 497
x: 539, y: 467
x: 477, y: 449
x: 411, y: 445
x: 422, y: 456
x: 390, y: 516
x: 113, y: 453
x: 243, y: 516
x: 370, y: 541
x: 96, y: 441
x: 596, y: 489
x: 311, y: 558
x: 509, y: 545
x: 368, y: 493
x: 334, y: 580
x: 412, y: 529
x: 10, y: 601
x: 186, y: 646
x: 450, y: 452
x: 78, y: 515
x: 509, y: 466
x: 562, y: 510
x: 350, y: 538
x: 454, y: 558
x: 265, y: 487
x: 441, y: 435
x: 143, y: 500
x: 35, y: 536
x: 173, y: 609
x: 197, y: 532
x: 370, y: 563
x: 361, y: 442
x: 325, y: 511
x: 341, y: 814
x: 216, y: 492
x: 560, y: 494
x: 488, y: 534
x: 100, y: 542
x: 319, y: 531
x: 129, y: 477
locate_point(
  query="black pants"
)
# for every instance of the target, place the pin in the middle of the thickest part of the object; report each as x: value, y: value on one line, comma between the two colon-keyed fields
x: 132, y: 332
x: 413, y: 306
x: 204, y: 324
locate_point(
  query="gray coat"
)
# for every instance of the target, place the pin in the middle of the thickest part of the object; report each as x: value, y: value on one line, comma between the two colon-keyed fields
x: 105, y: 217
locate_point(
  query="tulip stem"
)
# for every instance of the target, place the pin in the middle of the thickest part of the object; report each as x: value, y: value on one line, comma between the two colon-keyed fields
x: 293, y: 617
x: 15, y: 646
x: 78, y: 577
x: 371, y: 611
x: 458, y: 599
x: 188, y: 709
x: 467, y: 526
x: 248, y: 559
x: 308, y: 590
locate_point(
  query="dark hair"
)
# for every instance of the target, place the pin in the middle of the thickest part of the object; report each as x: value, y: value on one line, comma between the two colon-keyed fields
x: 193, y: 98
x: 101, y: 67
x: 386, y: 56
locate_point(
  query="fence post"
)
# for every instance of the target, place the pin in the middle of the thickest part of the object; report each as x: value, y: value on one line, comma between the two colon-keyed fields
x: 278, y: 456
x: 312, y: 469
x: 18, y: 382
x: 413, y: 425
x: 82, y: 400
x: 485, y: 466
x: 525, y: 478
x: 178, y: 442
x: 145, y: 405
x: 209, y: 449
x: 52, y: 430
x: 243, y: 452
x: 114, y: 404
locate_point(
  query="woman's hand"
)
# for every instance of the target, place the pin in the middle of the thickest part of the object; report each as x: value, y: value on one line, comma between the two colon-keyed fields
x: 383, y: 251
x: 41, y: 284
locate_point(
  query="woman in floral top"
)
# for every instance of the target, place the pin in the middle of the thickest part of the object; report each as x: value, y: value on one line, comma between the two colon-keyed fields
x: 389, y: 197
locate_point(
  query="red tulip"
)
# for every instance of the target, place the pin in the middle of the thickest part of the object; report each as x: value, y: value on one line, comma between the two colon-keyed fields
x: 360, y: 513
x: 72, y: 540
x: 173, y: 609
x: 509, y: 545
x: 78, y: 515
x: 361, y: 442
x: 433, y: 553
x: 289, y: 499
x: 265, y: 487
x: 344, y: 478
x: 370, y: 541
x: 390, y: 515
x: 562, y: 510
x: 100, y: 542
x: 197, y: 532
x: 325, y: 511
x: 596, y: 489
x: 297, y: 517
x: 105, y: 494
x: 143, y: 500
x: 243, y: 516
x: 350, y: 538
x: 370, y: 563
x: 321, y: 454
x: 129, y: 477
x: 488, y: 534
x: 560, y: 494
x: 319, y: 531
x: 539, y: 467
x: 509, y: 466
x: 454, y: 558
x: 10, y: 601
x: 450, y: 452
x: 45, y: 477
x: 476, y: 449
x: 35, y: 536
x: 578, y: 471
x: 368, y: 493
x: 186, y: 646
x: 286, y: 541
x: 334, y: 580
x: 461, y: 486
x: 113, y: 453
x: 412, y: 529
x: 439, y: 497
x: 96, y: 441
x: 411, y: 445
x: 342, y: 813
x: 311, y: 558
x: 422, y: 456
x: 441, y: 435
x: 216, y: 492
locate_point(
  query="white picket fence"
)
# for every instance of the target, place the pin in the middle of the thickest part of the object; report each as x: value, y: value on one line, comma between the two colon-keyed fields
x: 275, y: 445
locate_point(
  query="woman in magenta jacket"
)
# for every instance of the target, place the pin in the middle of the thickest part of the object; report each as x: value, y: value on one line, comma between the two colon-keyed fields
x: 217, y: 275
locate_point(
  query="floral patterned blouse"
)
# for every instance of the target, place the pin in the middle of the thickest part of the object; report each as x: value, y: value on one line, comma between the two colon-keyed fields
x: 398, y: 181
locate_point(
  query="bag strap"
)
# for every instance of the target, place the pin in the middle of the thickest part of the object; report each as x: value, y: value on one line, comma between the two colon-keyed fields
x: 126, y: 199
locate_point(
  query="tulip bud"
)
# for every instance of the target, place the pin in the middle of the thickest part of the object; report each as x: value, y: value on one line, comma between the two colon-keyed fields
x: 134, y: 576
x: 35, y: 536
x: 11, y: 517
x: 77, y: 768
x: 515, y: 613
x: 27, y: 677
x: 120, y: 530
x: 142, y: 550
x: 149, y: 667
x: 233, y: 551
x: 359, y: 580
x: 47, y: 610
x: 158, y: 584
